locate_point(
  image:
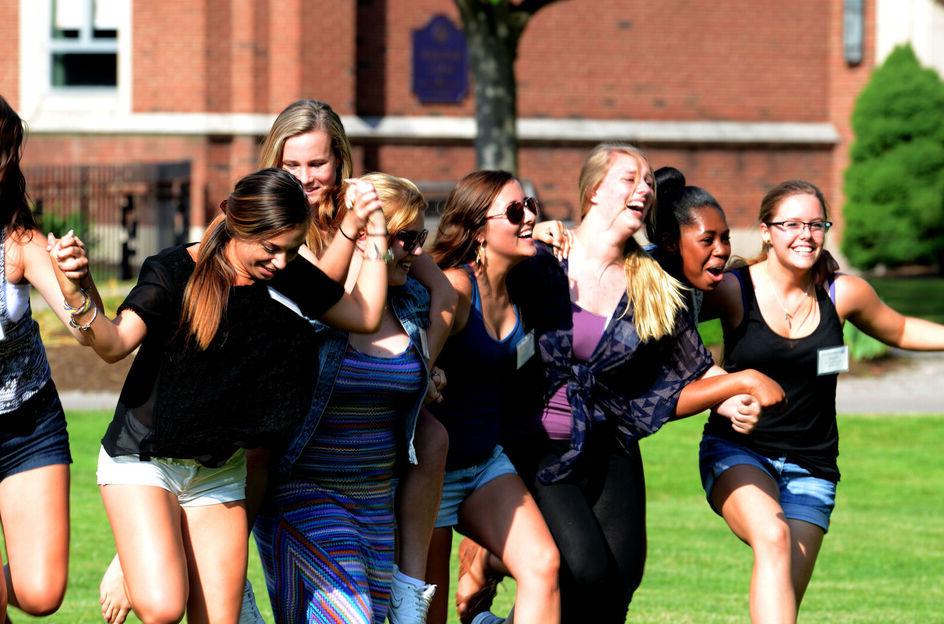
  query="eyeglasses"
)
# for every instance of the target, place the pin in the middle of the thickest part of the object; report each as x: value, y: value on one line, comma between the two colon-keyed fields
x: 411, y: 239
x: 794, y: 227
x: 514, y: 211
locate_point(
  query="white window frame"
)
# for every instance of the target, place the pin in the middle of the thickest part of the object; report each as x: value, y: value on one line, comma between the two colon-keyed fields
x: 38, y: 97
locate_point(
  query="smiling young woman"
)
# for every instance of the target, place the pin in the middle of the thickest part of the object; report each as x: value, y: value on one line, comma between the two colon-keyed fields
x: 783, y: 315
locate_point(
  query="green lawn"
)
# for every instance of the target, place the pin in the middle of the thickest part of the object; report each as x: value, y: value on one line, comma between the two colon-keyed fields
x: 883, y: 560
x: 915, y: 296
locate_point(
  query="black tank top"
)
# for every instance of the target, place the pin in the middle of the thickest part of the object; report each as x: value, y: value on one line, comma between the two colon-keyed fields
x: 804, y: 427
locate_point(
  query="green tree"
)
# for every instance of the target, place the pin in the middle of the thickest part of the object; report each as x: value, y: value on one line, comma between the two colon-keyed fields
x: 492, y: 30
x: 894, y: 185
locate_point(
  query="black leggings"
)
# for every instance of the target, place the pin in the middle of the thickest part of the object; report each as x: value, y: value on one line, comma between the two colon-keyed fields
x: 598, y: 519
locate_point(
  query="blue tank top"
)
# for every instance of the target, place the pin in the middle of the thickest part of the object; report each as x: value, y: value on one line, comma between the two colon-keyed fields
x: 477, y: 367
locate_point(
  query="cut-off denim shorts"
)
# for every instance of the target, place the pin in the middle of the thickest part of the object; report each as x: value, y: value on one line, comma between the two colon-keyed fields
x: 459, y: 484
x: 802, y: 496
x: 191, y: 482
x: 34, y: 435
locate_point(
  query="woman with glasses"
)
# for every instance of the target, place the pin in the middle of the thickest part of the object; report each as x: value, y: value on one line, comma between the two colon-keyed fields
x: 326, y: 529
x: 782, y: 314
x: 486, y: 229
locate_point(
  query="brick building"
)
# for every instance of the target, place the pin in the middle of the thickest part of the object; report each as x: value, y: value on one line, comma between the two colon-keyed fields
x: 739, y: 94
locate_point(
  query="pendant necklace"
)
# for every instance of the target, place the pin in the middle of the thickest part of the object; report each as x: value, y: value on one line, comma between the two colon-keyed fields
x: 787, y: 315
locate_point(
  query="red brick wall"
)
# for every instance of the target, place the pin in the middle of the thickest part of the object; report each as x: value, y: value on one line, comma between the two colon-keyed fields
x: 10, y: 52
x: 639, y: 59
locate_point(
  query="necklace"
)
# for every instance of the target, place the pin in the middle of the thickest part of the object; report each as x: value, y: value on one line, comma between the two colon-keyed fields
x: 788, y: 316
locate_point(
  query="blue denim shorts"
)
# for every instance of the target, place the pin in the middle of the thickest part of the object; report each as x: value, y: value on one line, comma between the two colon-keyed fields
x: 802, y: 496
x: 34, y: 435
x: 459, y: 484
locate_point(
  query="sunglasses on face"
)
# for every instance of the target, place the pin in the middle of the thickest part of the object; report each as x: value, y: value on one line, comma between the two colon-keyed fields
x: 411, y: 239
x: 514, y: 211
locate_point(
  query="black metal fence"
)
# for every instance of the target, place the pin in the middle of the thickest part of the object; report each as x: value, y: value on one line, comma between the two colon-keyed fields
x: 123, y: 213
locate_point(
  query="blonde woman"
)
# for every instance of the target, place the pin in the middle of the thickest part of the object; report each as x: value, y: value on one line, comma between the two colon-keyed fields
x: 620, y: 357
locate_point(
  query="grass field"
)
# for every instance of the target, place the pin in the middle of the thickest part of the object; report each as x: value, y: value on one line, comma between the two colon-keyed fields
x: 883, y: 560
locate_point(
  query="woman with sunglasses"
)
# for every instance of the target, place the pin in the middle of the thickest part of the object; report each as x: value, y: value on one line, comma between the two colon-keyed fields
x: 783, y: 314
x: 485, y: 230
x: 326, y: 529
x: 226, y: 361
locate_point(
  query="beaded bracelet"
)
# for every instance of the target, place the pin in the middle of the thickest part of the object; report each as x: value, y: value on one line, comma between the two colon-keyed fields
x: 82, y: 308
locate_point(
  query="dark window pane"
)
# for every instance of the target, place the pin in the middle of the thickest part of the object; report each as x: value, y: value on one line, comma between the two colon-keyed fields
x: 100, y: 33
x: 65, y: 33
x: 70, y: 69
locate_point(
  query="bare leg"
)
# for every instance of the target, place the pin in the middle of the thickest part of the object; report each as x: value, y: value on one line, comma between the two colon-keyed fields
x: 437, y: 572
x: 750, y: 503
x: 217, y: 551
x: 505, y: 519
x: 34, y: 505
x: 806, y: 540
x: 418, y: 495
x: 145, y: 521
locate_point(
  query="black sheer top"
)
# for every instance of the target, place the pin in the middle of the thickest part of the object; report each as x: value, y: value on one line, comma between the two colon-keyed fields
x: 250, y: 385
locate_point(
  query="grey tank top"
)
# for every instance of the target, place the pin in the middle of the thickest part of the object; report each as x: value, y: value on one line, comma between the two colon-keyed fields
x: 24, y: 369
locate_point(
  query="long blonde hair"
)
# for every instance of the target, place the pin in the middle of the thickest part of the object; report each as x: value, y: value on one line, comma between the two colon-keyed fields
x: 401, y: 199
x: 654, y: 296
x: 263, y: 204
x: 301, y: 117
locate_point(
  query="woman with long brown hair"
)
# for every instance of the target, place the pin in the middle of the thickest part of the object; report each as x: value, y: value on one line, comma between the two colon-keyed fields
x: 34, y: 443
x: 227, y: 361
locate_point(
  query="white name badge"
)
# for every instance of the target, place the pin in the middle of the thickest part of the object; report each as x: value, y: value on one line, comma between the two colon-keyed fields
x: 833, y: 360
x: 525, y: 348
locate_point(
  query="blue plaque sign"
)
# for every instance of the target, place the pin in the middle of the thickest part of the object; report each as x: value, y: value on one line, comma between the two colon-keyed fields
x: 440, y: 62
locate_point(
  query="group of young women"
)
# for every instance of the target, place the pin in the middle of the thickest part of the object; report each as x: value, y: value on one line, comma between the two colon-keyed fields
x: 308, y: 372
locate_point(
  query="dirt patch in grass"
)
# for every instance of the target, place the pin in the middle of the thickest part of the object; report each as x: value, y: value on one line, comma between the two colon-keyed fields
x: 75, y: 367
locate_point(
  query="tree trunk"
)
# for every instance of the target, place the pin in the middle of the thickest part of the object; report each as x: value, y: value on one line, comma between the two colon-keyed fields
x: 492, y: 32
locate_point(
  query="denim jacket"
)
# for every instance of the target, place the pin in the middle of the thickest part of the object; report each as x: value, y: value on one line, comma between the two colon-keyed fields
x: 410, y: 304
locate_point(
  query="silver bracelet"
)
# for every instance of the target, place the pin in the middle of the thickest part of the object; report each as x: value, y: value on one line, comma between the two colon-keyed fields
x: 82, y: 308
x: 83, y: 328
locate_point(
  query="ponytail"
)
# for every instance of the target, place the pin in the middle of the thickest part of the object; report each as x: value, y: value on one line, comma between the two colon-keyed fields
x: 208, y: 288
x: 654, y: 296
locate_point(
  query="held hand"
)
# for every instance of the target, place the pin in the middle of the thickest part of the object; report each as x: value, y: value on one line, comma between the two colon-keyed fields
x: 743, y: 410
x: 69, y: 261
x: 437, y: 381
x: 556, y: 235
x: 767, y: 391
x: 362, y: 201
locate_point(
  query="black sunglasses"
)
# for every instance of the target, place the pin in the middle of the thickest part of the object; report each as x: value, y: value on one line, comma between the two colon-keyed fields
x: 514, y: 211
x: 411, y: 239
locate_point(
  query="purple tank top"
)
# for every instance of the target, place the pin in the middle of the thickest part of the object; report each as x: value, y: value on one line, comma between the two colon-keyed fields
x: 588, y: 328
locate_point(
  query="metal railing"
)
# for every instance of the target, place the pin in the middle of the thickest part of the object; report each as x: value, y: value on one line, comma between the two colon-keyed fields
x: 124, y: 213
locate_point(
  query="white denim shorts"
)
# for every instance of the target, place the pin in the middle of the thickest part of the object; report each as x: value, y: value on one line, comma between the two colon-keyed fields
x: 192, y: 483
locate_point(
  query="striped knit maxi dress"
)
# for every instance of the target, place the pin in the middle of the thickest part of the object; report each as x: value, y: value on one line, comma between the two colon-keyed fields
x: 326, y: 539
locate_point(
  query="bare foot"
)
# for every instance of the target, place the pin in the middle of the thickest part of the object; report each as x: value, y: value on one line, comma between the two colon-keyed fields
x: 477, y: 585
x: 112, y: 595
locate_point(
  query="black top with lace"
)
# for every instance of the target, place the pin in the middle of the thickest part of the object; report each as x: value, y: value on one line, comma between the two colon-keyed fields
x: 249, y: 386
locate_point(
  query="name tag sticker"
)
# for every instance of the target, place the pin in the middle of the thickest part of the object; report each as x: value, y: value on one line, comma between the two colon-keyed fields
x: 525, y: 349
x: 424, y: 343
x: 833, y: 360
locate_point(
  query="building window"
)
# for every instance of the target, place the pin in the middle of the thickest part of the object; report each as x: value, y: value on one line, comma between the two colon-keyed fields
x: 852, y: 31
x: 83, y: 43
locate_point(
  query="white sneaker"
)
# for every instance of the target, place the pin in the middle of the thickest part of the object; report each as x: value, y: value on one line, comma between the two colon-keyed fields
x: 248, y: 611
x: 408, y: 603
